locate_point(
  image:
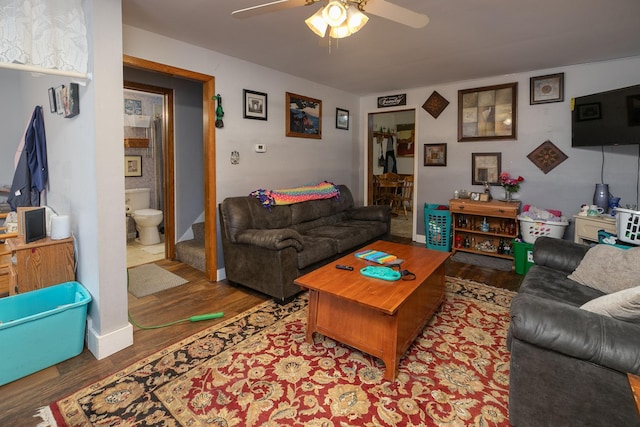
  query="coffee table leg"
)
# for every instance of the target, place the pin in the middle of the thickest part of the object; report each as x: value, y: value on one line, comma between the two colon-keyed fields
x: 311, y: 315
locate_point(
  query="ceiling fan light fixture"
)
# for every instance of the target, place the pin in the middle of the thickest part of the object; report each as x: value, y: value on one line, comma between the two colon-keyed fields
x: 335, y: 13
x: 340, y: 32
x: 355, y: 19
x: 317, y: 24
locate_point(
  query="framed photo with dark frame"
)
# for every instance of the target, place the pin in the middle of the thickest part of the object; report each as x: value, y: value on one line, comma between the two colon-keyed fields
x: 488, y: 113
x: 486, y: 167
x: 546, y: 89
x: 342, y: 119
x: 255, y: 105
x: 588, y: 112
x: 132, y: 165
x: 303, y: 116
x: 435, y: 154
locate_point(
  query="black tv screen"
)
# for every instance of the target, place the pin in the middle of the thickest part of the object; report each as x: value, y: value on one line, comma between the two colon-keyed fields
x: 606, y: 118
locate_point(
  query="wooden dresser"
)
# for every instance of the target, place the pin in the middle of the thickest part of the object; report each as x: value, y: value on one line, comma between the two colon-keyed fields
x: 40, y: 264
x: 468, y: 235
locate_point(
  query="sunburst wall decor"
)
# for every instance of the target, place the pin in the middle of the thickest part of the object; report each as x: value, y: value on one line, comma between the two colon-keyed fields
x: 547, y: 156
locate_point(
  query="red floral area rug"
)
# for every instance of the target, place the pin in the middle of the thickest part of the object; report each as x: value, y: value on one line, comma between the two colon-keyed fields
x: 257, y: 370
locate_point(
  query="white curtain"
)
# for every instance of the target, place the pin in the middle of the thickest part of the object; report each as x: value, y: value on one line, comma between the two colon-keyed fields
x: 49, y: 34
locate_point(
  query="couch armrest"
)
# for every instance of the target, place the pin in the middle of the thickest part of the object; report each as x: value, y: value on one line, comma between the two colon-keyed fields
x: 273, y: 239
x: 370, y: 213
x: 558, y: 254
x: 574, y: 332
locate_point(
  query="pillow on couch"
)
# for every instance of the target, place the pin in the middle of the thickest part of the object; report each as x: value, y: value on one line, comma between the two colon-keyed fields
x: 621, y: 305
x: 608, y: 268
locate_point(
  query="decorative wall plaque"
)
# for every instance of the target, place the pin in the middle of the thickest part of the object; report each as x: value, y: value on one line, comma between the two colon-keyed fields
x: 547, y: 156
x: 392, y: 100
x: 435, y: 104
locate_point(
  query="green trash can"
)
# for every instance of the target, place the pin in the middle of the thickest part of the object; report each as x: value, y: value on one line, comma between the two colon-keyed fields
x: 523, y: 256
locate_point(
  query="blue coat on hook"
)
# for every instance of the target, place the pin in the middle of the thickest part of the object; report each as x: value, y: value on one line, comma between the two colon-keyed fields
x: 32, y: 173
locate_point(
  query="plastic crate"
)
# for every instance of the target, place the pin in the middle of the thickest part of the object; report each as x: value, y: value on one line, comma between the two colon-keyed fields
x: 523, y: 256
x: 628, y: 225
x: 437, y: 224
x: 41, y: 328
x: 605, y: 238
x: 531, y: 229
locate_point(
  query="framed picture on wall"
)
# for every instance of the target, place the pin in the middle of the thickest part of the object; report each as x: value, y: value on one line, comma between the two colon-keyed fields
x: 488, y: 113
x: 255, y: 105
x: 486, y: 167
x: 303, y: 116
x: 545, y: 89
x: 132, y: 165
x: 342, y: 119
x: 435, y: 154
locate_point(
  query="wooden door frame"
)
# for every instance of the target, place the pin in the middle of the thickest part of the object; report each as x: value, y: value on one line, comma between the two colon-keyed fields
x: 209, y: 152
x: 370, y: 154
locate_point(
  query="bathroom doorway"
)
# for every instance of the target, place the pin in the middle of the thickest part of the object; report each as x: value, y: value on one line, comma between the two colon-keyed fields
x: 208, y: 152
x: 392, y: 149
x: 148, y: 117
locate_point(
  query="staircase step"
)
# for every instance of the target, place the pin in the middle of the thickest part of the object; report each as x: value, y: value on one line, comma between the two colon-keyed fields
x: 198, y: 231
x: 192, y: 253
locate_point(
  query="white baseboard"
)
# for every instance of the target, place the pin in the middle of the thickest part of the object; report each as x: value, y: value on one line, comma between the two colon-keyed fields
x: 105, y: 345
x: 221, y: 274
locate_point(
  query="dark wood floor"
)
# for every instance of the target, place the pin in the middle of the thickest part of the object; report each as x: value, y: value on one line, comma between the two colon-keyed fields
x: 20, y: 399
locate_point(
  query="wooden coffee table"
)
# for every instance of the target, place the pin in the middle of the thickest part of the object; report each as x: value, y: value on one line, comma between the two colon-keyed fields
x: 378, y: 317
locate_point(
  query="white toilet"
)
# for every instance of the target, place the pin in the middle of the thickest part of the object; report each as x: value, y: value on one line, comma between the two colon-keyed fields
x: 137, y: 202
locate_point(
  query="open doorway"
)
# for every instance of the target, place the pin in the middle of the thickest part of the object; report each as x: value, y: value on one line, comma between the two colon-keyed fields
x: 148, y: 116
x: 391, y: 166
x: 208, y: 119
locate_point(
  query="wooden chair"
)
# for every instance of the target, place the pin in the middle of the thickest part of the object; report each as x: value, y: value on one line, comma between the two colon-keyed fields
x: 377, y: 198
x: 390, y: 185
x: 406, y: 198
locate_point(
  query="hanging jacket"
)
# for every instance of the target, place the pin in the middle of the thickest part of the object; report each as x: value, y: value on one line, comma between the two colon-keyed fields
x: 31, y: 174
x: 35, y: 144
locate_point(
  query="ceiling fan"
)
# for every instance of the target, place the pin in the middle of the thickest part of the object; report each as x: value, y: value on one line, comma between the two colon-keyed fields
x: 380, y: 8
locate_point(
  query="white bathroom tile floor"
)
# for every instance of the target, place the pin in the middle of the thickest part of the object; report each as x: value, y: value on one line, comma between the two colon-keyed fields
x: 138, y: 254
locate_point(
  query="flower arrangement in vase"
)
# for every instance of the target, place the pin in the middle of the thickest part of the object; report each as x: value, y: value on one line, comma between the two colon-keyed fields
x: 510, y: 184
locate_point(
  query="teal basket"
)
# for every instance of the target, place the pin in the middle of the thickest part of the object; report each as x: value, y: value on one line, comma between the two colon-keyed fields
x: 437, y: 223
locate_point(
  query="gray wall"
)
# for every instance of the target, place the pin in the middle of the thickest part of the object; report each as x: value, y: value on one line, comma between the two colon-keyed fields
x: 13, y: 121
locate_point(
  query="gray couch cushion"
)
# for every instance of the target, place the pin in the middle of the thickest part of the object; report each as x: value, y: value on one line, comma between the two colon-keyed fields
x: 344, y: 237
x: 316, y: 249
x: 242, y: 213
x: 553, y: 284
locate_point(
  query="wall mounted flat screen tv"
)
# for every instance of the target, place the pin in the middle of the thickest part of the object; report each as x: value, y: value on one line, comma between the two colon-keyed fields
x: 606, y: 118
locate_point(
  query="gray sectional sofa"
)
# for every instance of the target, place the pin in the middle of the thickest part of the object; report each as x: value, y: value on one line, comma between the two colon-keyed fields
x: 568, y: 365
x: 266, y: 250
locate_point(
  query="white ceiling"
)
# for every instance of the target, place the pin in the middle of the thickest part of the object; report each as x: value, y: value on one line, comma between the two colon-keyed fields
x: 465, y: 39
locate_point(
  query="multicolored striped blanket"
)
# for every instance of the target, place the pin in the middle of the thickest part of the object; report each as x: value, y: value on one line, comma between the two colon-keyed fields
x: 288, y: 196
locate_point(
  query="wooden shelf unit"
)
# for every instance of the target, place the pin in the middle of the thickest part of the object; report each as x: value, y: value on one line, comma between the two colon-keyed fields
x: 502, y: 218
x: 40, y: 264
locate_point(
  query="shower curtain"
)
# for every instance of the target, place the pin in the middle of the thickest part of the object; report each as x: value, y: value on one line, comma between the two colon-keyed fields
x: 157, y: 142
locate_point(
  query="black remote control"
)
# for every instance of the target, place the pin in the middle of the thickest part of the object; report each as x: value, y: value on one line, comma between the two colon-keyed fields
x: 344, y: 267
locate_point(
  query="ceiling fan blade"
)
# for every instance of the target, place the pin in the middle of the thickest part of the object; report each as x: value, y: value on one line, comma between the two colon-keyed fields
x: 267, y: 8
x: 396, y: 13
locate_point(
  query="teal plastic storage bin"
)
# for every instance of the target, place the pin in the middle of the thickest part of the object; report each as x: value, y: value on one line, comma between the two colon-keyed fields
x: 437, y: 223
x: 41, y: 328
x: 523, y: 256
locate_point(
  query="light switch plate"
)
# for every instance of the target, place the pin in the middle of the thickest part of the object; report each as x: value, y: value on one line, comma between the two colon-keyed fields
x: 261, y: 148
